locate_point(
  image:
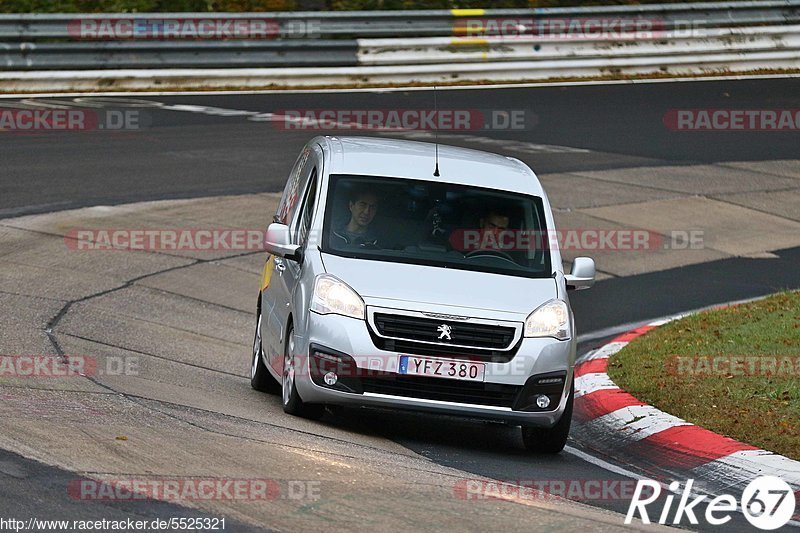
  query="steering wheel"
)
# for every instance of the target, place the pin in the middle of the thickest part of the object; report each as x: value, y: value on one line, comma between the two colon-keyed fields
x: 491, y: 253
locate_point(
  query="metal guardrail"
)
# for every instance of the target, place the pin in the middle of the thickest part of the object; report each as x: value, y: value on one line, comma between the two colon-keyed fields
x: 40, y: 51
x: 428, y: 23
x: 156, y: 54
x: 692, y: 43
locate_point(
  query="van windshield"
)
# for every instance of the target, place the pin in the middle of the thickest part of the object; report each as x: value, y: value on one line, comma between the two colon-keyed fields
x: 436, y: 224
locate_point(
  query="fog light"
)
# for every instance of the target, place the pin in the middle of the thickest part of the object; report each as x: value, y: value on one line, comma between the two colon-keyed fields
x: 542, y: 401
x: 331, y: 378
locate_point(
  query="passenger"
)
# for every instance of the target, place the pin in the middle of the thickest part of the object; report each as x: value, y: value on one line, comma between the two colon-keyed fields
x: 363, y: 206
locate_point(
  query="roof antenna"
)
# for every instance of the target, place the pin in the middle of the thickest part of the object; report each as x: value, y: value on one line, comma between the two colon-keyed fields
x: 436, y: 131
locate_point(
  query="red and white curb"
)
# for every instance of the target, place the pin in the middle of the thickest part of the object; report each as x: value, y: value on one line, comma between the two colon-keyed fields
x: 620, y: 425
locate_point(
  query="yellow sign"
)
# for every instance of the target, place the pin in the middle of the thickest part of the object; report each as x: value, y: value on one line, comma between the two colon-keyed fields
x: 266, y: 276
x: 467, y: 12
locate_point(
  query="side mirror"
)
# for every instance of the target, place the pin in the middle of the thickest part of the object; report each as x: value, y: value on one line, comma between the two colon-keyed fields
x: 277, y: 242
x: 582, y: 275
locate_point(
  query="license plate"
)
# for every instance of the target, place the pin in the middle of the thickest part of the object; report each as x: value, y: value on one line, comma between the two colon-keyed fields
x: 441, y: 368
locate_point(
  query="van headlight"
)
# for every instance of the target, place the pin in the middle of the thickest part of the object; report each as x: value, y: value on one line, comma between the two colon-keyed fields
x: 333, y: 296
x: 549, y: 320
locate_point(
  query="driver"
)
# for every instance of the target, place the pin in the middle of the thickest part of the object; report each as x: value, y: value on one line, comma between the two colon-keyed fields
x: 363, y: 206
x: 492, y: 225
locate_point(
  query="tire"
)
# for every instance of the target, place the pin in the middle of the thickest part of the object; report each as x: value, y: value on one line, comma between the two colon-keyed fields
x: 550, y: 440
x: 292, y: 403
x: 260, y: 378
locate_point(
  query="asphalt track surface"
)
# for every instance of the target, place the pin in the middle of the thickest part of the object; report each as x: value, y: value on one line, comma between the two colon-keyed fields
x: 184, y: 154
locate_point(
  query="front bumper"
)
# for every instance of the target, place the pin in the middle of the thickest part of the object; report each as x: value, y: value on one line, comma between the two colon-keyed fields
x: 370, y: 377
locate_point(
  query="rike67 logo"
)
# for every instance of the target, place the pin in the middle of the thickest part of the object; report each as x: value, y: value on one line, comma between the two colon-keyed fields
x: 767, y: 502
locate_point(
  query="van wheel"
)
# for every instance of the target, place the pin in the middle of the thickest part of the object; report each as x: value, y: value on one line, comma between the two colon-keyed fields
x: 550, y: 440
x: 260, y: 378
x: 292, y: 403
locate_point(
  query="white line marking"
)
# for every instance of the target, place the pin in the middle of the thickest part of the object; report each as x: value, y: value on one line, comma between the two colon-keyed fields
x: 602, y: 464
x: 611, y: 332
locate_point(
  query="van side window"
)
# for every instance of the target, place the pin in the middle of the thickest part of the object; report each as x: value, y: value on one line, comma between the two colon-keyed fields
x: 291, y: 194
x: 307, y: 211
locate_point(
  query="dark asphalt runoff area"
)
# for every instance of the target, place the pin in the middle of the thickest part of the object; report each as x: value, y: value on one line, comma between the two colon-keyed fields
x: 191, y: 153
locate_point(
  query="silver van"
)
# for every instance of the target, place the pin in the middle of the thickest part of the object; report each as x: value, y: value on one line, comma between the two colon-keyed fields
x: 402, y: 279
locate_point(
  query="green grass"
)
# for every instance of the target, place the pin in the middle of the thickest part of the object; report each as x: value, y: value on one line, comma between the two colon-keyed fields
x: 750, y: 403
